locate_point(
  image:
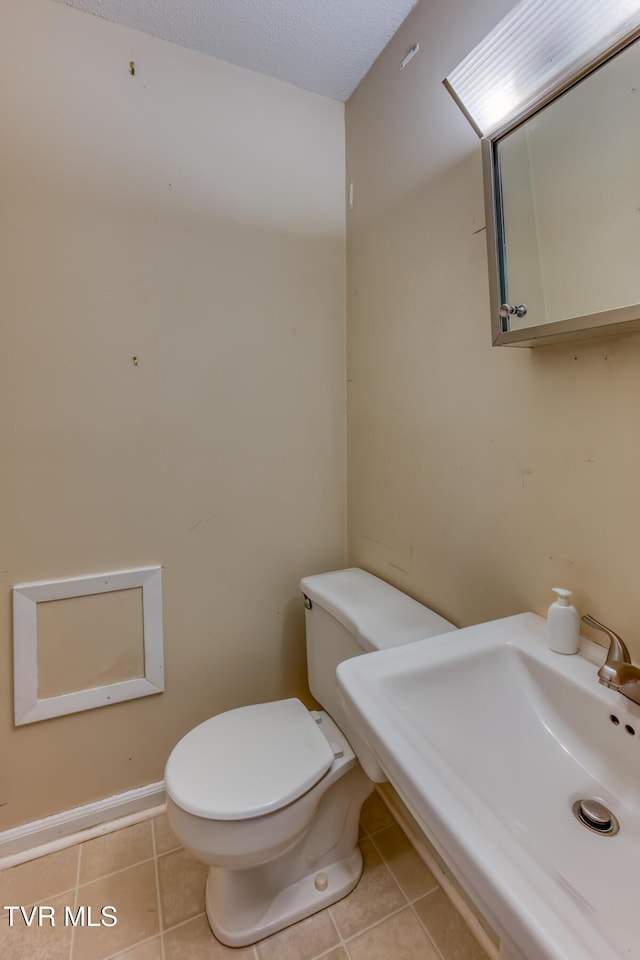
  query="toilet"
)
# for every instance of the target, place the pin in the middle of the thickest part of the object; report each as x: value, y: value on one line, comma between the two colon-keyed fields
x: 269, y: 795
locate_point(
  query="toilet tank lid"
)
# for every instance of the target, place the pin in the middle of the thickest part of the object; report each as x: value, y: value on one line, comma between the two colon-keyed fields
x: 248, y: 762
x: 378, y: 615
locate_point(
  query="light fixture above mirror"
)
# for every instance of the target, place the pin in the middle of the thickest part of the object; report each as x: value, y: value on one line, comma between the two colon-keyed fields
x: 538, y: 49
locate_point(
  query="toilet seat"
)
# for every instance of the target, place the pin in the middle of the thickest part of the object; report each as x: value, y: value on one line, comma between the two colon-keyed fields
x: 248, y: 762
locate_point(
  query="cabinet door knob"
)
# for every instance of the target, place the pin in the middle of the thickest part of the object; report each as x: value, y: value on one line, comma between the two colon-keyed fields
x: 506, y: 310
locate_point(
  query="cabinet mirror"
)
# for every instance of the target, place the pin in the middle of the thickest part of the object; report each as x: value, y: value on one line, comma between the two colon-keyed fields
x: 562, y: 191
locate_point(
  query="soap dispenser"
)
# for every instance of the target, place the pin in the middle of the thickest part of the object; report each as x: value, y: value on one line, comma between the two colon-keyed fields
x: 563, y: 623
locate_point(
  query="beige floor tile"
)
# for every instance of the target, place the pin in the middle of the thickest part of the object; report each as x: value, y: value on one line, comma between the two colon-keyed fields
x: 151, y: 950
x: 447, y: 928
x: 115, y: 851
x: 46, y: 942
x: 182, y: 881
x: 338, y: 954
x: 133, y: 893
x: 166, y: 839
x: 410, y: 871
x: 302, y: 941
x: 376, y: 896
x: 39, y: 879
x: 374, y: 815
x: 400, y: 937
x: 194, y: 941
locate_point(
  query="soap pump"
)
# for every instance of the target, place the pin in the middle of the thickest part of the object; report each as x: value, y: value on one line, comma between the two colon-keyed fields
x: 563, y: 623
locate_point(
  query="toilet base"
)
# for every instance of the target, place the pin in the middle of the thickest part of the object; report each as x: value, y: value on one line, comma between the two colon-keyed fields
x: 294, y: 903
x: 246, y: 905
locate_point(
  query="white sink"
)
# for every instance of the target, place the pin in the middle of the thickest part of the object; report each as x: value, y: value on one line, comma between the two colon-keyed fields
x: 490, y: 738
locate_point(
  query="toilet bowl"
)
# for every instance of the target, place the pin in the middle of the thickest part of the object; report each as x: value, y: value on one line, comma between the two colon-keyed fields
x: 269, y: 795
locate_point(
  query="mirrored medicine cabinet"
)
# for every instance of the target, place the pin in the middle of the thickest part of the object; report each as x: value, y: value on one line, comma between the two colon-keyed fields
x: 562, y: 198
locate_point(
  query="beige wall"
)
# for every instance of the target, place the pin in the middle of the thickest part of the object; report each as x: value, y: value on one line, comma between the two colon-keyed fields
x: 479, y: 477
x: 191, y: 216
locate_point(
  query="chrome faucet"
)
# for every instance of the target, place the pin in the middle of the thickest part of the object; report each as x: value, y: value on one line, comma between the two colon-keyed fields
x: 617, y: 672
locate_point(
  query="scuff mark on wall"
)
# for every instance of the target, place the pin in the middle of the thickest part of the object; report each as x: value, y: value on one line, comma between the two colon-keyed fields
x: 397, y: 566
x: 200, y: 521
x: 525, y: 472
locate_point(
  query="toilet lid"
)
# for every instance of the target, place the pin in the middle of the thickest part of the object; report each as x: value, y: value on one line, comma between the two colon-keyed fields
x: 248, y: 762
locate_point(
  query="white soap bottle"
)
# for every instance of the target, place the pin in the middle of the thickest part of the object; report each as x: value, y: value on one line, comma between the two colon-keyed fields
x: 563, y: 623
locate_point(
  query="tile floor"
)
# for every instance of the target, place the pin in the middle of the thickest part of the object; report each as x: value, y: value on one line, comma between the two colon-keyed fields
x: 397, y: 911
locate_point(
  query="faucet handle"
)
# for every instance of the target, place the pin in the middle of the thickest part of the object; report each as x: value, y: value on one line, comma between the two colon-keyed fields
x: 617, y: 672
x: 617, y: 647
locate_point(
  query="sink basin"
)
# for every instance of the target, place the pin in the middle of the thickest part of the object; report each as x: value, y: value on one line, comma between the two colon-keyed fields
x: 490, y: 739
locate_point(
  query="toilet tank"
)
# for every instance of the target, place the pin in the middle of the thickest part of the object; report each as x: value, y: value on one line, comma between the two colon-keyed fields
x: 349, y: 613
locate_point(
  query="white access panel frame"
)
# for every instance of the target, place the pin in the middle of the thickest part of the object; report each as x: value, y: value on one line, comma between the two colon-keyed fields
x: 28, y: 708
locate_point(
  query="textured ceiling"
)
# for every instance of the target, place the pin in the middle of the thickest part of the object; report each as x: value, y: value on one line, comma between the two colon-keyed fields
x: 325, y: 46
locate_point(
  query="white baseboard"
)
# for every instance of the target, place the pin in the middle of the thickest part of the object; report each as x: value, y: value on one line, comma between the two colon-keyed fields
x: 80, y: 823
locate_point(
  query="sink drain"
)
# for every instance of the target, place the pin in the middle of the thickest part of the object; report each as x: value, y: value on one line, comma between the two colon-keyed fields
x: 594, y: 815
